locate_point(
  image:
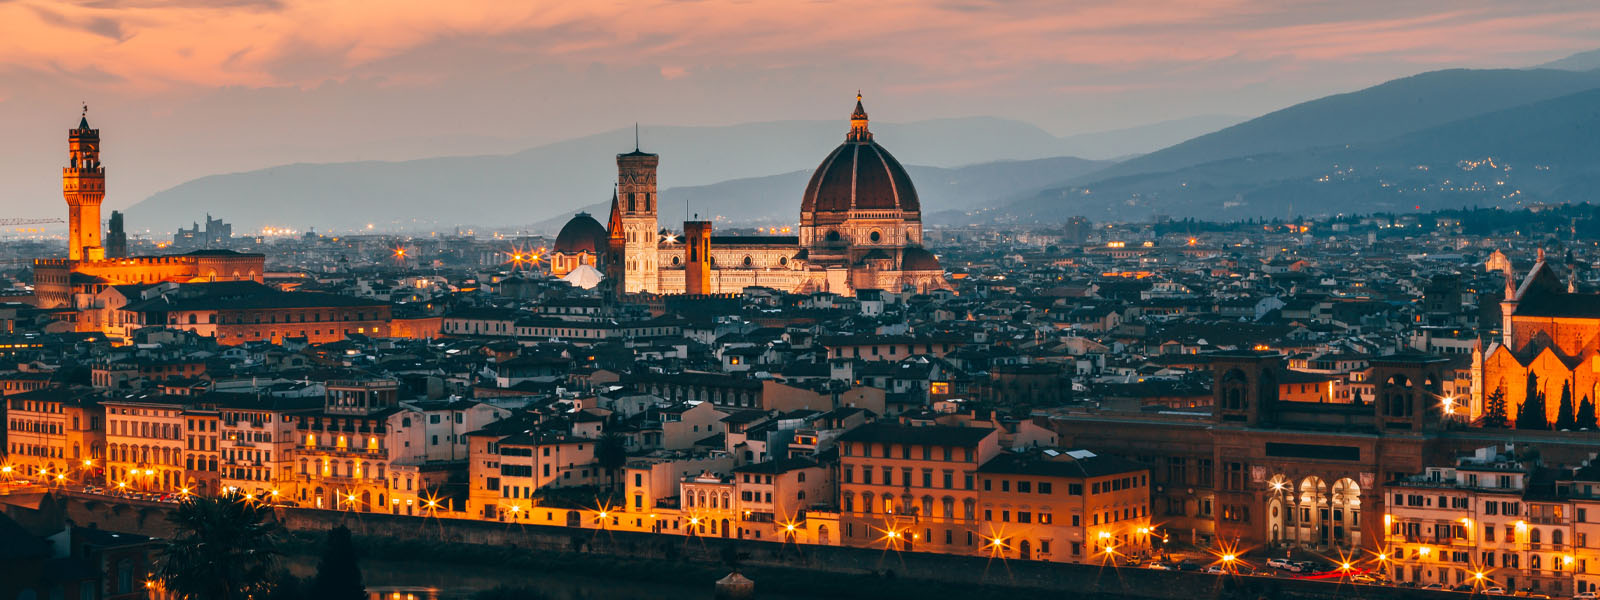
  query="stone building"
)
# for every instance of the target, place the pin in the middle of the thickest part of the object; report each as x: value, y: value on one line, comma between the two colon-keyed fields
x: 87, y: 269
x: 860, y: 228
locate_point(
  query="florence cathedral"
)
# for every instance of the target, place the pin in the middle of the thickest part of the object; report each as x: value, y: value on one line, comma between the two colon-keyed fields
x: 860, y: 228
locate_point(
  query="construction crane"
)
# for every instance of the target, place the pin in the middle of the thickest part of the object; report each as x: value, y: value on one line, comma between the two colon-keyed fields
x: 16, y: 222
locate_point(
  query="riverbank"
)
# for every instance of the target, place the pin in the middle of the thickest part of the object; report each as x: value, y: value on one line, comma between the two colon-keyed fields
x: 576, y: 576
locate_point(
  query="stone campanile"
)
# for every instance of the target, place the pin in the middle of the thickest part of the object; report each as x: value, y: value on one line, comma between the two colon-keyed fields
x: 636, y: 203
x: 83, y: 183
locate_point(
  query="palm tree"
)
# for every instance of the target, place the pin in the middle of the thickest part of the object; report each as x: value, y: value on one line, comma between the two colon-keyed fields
x: 223, y: 549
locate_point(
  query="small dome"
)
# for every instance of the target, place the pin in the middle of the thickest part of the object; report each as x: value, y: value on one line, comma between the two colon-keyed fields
x: 917, y: 259
x: 582, y: 234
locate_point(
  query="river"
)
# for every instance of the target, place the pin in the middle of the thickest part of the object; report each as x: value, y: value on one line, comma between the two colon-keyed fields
x: 422, y: 580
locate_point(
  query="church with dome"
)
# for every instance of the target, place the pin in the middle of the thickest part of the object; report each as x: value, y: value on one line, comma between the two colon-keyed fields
x: 860, y: 228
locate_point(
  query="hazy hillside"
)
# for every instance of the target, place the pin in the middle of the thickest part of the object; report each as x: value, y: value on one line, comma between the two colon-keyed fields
x: 775, y: 199
x: 1538, y: 152
x: 1376, y: 113
x: 1582, y: 61
x: 554, y: 180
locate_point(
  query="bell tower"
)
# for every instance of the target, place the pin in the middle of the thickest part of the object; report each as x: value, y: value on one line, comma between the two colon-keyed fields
x: 636, y: 201
x: 83, y: 183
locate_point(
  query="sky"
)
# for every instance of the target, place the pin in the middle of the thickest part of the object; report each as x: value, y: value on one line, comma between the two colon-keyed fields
x: 187, y: 88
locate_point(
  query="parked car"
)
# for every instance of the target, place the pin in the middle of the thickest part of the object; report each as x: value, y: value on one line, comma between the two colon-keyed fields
x: 1434, y: 586
x: 1586, y: 596
x: 1159, y: 566
x: 1364, y: 578
x: 1495, y: 591
x: 1285, y: 564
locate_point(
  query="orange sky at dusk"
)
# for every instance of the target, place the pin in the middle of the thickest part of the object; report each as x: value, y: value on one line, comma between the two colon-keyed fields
x: 321, y: 80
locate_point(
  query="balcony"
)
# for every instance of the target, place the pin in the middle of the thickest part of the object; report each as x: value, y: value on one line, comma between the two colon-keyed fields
x: 343, y: 451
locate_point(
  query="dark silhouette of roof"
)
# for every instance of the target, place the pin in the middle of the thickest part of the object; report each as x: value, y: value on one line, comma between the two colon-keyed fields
x: 937, y: 435
x: 917, y: 259
x: 582, y: 234
x: 860, y: 176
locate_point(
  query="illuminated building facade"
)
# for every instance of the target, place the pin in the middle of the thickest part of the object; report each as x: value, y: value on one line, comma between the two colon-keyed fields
x: 1549, y: 331
x: 256, y: 439
x: 344, y: 454
x: 1497, y: 518
x: 860, y: 228
x: 1072, y: 506
x: 145, y: 443
x: 889, y: 472
x: 506, y: 470
x: 87, y: 270
x: 55, y: 430
x: 201, y: 454
x: 1263, y: 470
x: 238, y: 312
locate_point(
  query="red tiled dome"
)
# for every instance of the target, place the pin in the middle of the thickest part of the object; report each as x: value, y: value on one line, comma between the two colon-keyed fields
x: 859, y: 175
x: 582, y: 234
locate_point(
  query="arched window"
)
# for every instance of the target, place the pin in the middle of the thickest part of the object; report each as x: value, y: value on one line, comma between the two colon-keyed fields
x: 1555, y: 537
x: 1534, y: 537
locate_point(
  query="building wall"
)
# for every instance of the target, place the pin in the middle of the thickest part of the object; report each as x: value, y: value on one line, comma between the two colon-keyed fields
x: 145, y: 446
x: 874, y: 514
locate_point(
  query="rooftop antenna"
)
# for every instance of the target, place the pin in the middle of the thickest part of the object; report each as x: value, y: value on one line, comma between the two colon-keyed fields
x: 635, y: 136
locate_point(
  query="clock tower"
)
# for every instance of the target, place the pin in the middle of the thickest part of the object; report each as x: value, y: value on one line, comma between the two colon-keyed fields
x: 83, y: 183
x: 636, y: 204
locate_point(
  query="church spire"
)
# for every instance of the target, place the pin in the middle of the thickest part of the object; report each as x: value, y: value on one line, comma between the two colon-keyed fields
x: 858, y: 123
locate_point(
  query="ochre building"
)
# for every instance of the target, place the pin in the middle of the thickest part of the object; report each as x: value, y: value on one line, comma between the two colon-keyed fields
x: 86, y: 270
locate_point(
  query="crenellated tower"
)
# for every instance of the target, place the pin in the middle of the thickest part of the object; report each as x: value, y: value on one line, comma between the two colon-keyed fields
x: 83, y: 183
x: 636, y: 202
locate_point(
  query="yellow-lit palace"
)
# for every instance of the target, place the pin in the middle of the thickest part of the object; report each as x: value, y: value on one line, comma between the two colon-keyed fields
x: 860, y: 228
x: 87, y: 269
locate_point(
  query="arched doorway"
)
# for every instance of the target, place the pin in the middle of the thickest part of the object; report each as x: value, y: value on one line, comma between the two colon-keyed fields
x: 1025, y: 550
x: 1345, y: 502
x: 822, y: 534
x: 1280, y: 509
x: 724, y: 528
x: 1312, y: 512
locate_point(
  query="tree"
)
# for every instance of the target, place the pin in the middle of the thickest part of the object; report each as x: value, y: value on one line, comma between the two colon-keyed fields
x: 1564, y: 420
x: 338, y: 575
x: 1531, y: 414
x: 1494, y: 408
x: 612, y: 456
x: 1585, y: 418
x: 222, y: 549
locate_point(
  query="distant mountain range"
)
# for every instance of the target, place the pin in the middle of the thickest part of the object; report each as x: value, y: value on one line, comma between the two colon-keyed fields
x: 550, y: 182
x: 1440, y: 139
x: 1443, y: 138
x: 775, y: 199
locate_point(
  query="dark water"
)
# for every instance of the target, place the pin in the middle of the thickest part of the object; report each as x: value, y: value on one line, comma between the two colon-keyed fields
x: 422, y: 580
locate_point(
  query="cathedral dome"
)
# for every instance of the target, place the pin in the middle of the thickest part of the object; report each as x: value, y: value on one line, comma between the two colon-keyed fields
x: 859, y: 175
x: 582, y: 234
x: 917, y: 259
